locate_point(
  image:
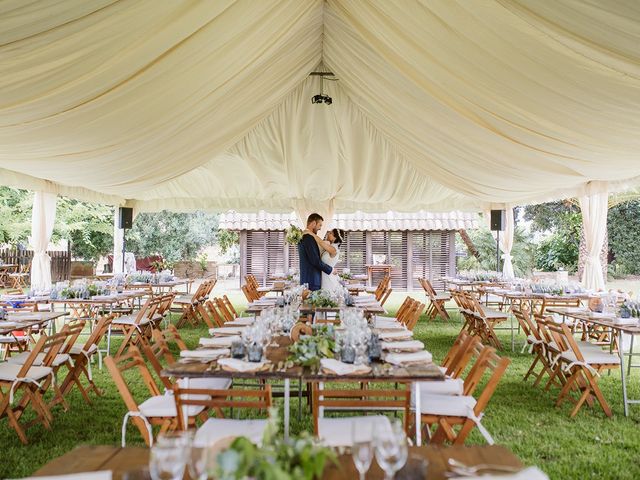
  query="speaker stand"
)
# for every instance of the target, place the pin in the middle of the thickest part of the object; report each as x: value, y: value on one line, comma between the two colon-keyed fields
x: 124, y: 249
x: 498, y: 251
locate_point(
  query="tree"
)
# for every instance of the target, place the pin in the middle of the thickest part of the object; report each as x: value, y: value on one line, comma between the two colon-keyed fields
x: 174, y: 236
x: 15, y: 215
x: 624, y: 231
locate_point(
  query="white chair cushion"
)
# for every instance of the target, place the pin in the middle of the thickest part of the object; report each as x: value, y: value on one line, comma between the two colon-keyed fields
x: 21, y: 357
x: 164, y: 406
x: 77, y: 349
x: 215, y: 429
x: 593, y: 357
x: 336, y: 432
x: 12, y: 339
x: 9, y: 372
x: 447, y: 405
x: 450, y: 386
x: 206, y: 383
x: 129, y: 320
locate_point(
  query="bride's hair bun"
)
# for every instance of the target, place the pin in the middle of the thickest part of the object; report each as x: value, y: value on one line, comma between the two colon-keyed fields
x: 339, y: 234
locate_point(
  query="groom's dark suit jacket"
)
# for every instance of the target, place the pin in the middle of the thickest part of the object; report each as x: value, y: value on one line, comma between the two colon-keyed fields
x: 311, y: 267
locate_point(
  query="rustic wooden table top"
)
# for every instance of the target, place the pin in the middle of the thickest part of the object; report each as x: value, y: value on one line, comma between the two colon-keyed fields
x: 588, y: 317
x: 132, y: 460
x: 278, y: 355
x: 26, y: 320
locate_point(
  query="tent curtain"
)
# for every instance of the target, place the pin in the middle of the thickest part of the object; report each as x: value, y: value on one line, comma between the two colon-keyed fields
x: 43, y: 217
x: 506, y: 244
x: 594, y: 219
x: 304, y: 208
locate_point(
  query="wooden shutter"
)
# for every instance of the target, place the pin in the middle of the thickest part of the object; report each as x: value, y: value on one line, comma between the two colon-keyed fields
x: 353, y: 253
x: 430, y: 256
x: 275, y: 255
x: 265, y: 255
x: 294, y: 259
x: 393, y: 245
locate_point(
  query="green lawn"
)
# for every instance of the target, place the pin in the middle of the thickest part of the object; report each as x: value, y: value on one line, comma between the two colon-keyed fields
x: 521, y: 417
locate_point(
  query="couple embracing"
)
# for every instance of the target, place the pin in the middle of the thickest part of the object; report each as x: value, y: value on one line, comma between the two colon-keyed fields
x: 318, y: 256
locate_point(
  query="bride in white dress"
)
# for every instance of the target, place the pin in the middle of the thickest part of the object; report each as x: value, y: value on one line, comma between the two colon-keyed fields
x: 330, y: 254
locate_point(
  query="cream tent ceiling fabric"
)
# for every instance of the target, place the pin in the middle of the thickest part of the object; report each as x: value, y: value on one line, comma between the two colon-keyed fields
x: 440, y: 104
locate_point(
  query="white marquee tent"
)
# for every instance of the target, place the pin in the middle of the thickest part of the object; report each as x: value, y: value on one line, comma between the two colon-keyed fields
x: 440, y: 104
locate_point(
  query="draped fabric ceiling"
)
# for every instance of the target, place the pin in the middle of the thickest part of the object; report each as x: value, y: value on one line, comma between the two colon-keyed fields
x: 440, y: 105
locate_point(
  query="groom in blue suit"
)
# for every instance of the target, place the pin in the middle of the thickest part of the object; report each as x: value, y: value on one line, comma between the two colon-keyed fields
x: 311, y: 266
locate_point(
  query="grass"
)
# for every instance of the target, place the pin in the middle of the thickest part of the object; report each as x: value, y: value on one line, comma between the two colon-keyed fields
x: 521, y: 417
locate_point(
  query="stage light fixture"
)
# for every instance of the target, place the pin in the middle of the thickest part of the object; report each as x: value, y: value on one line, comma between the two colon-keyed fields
x: 322, y: 97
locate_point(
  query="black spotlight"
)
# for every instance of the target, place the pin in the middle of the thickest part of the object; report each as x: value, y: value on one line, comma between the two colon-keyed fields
x: 317, y: 98
x: 328, y: 100
x: 322, y: 97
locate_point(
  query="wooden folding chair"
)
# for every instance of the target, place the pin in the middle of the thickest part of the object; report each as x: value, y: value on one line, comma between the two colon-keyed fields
x: 156, y: 410
x: 82, y: 356
x: 335, y: 432
x: 448, y: 411
x: 187, y: 304
x: 436, y: 300
x: 222, y: 308
x: 219, y: 427
x: 31, y: 381
x: 137, y: 327
x: 582, y: 366
x: 20, y: 277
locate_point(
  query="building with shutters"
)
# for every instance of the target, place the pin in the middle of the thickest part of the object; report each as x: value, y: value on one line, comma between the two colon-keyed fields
x: 418, y: 244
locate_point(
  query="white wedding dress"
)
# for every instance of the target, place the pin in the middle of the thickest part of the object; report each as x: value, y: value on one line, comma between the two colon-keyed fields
x: 331, y: 282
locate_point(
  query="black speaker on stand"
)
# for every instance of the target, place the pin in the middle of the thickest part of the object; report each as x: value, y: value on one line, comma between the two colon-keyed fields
x: 498, y: 220
x: 125, y: 221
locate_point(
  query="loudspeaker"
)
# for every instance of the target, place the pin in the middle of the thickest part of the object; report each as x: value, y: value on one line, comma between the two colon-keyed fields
x: 125, y: 217
x: 498, y: 220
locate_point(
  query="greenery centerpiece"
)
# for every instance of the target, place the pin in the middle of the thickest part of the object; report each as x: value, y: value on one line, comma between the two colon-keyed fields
x: 310, y: 349
x: 293, y: 235
x: 323, y: 299
x: 276, y: 459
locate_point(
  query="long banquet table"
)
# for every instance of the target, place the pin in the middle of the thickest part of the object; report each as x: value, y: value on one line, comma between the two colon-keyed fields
x: 277, y: 370
x: 132, y: 462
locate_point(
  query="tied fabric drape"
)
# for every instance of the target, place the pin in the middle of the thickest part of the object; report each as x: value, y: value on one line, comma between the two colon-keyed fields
x: 304, y: 208
x: 43, y: 217
x: 506, y: 244
x: 594, y: 219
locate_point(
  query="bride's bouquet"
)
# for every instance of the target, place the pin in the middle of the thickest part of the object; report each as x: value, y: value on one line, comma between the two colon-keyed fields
x: 293, y: 235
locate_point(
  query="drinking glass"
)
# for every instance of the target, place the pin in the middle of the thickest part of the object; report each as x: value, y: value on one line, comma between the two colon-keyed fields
x: 199, y: 462
x: 391, y: 449
x: 362, y: 446
x: 167, y: 461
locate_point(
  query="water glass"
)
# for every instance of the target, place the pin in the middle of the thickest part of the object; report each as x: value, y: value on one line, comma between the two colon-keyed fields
x: 362, y: 446
x: 167, y: 461
x: 391, y: 449
x: 199, y: 459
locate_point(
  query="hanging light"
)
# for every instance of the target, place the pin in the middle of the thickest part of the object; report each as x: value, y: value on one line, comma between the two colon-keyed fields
x: 322, y: 97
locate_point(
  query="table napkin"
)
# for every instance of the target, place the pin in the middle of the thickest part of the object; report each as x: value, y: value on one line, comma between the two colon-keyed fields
x: 408, y: 358
x: 211, y: 353
x: 531, y: 473
x: 605, y: 316
x: 622, y: 321
x: 395, y: 335
x: 7, y: 298
x: 220, y: 341
x: 100, y: 298
x: 405, y: 345
x: 225, y: 331
x: 8, y: 324
x: 241, y: 365
x: 240, y: 322
x: 339, y: 368
x: 103, y: 475
x: 576, y: 310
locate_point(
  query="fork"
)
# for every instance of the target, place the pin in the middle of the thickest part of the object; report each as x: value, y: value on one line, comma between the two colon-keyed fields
x: 468, y: 470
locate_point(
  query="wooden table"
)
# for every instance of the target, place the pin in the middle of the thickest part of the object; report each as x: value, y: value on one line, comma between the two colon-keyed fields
x: 27, y: 320
x: 94, y: 458
x: 164, y: 286
x: 277, y: 355
x: 617, y: 331
x: 382, y: 267
x: 87, y: 308
x: 306, y: 309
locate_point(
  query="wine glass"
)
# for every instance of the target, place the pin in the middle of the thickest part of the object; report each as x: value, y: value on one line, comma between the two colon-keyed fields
x: 391, y: 449
x: 361, y: 446
x: 167, y: 461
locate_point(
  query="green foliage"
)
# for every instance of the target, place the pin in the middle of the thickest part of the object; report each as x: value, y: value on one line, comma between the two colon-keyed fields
x: 15, y: 215
x: 522, y: 252
x: 276, y: 459
x: 323, y: 299
x: 561, y: 249
x: 549, y: 217
x: 227, y: 239
x: 174, y: 236
x: 310, y: 349
x: 624, y: 230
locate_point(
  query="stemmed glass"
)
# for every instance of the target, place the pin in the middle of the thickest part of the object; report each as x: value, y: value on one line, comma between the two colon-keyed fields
x: 362, y: 446
x: 391, y: 448
x: 169, y: 456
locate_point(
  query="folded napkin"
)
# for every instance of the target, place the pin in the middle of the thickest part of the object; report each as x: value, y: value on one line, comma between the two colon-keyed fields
x: 339, y: 368
x: 238, y: 365
x: 407, y: 345
x: 103, y: 475
x: 8, y: 324
x: 576, y: 310
x: 220, y: 341
x: 395, y: 335
x: 531, y: 473
x: 606, y: 316
x: 625, y: 321
x: 408, y: 358
x: 211, y: 353
x: 104, y: 297
x: 225, y: 331
x: 6, y: 298
x: 240, y: 322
